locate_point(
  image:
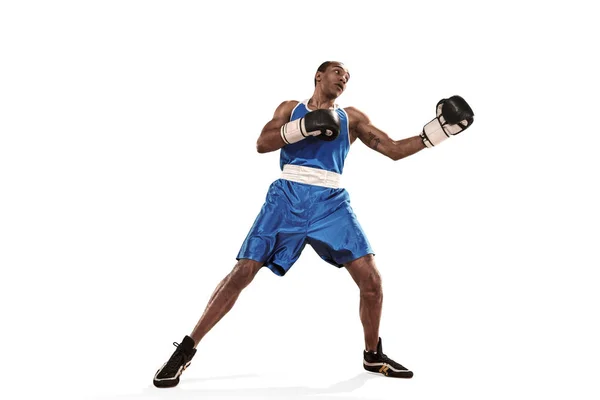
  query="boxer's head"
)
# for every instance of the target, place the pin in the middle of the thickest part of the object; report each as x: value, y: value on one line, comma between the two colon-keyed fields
x: 334, y: 75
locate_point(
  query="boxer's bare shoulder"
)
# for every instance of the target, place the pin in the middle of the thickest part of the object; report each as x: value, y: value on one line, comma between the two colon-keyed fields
x: 355, y: 118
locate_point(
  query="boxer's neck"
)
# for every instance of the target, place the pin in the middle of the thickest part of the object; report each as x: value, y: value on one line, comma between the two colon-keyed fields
x: 319, y: 101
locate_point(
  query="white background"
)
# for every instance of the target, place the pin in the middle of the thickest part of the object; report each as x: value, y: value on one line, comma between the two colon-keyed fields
x: 129, y: 179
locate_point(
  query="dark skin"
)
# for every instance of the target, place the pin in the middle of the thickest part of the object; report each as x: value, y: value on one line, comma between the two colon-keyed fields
x: 330, y: 84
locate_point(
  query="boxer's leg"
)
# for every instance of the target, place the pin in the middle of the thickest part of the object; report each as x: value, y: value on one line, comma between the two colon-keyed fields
x: 365, y: 274
x: 221, y: 301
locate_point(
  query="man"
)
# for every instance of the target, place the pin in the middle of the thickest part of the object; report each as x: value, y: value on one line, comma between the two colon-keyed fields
x: 307, y: 205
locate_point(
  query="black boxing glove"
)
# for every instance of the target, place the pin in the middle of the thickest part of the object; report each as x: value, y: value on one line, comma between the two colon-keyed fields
x: 325, y: 124
x: 453, y: 115
x: 325, y: 121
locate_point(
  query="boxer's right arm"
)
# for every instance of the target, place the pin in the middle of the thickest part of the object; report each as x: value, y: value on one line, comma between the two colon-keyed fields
x: 270, y: 138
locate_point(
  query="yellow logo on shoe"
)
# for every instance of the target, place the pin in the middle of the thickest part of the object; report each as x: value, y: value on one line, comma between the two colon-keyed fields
x: 384, y: 369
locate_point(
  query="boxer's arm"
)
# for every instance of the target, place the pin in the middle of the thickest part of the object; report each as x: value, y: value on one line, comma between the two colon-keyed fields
x: 362, y: 128
x: 270, y: 138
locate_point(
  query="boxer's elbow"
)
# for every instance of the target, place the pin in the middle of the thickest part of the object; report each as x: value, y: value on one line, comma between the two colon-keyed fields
x: 263, y: 147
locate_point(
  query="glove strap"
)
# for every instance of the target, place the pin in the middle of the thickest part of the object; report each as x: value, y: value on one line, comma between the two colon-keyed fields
x: 433, y: 133
x: 293, y: 131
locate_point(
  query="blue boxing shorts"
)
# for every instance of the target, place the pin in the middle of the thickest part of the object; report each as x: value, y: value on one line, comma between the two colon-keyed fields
x: 295, y: 214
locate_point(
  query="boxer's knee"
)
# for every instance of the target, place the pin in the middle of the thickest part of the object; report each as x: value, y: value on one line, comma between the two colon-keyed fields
x: 371, y: 285
x: 366, y: 276
x: 243, y: 273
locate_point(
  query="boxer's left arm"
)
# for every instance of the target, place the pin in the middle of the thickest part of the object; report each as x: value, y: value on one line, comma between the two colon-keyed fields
x: 362, y: 128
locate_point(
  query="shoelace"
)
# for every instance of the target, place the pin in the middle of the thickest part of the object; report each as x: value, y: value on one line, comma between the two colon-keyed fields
x: 393, y: 363
x: 176, y: 361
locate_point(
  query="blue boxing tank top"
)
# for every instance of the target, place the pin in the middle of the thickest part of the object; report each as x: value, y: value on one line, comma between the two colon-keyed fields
x: 314, y: 152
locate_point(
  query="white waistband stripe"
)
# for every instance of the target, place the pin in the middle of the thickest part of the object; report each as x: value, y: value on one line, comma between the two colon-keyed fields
x: 311, y: 176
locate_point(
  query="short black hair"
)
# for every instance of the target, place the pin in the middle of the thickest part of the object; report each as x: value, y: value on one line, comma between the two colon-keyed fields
x: 323, y: 67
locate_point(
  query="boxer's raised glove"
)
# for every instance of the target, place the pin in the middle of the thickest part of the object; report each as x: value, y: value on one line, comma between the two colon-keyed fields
x: 325, y: 124
x: 453, y: 115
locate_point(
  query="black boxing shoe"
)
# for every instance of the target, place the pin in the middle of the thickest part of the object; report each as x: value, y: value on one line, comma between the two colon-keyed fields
x: 380, y: 363
x: 168, y: 375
